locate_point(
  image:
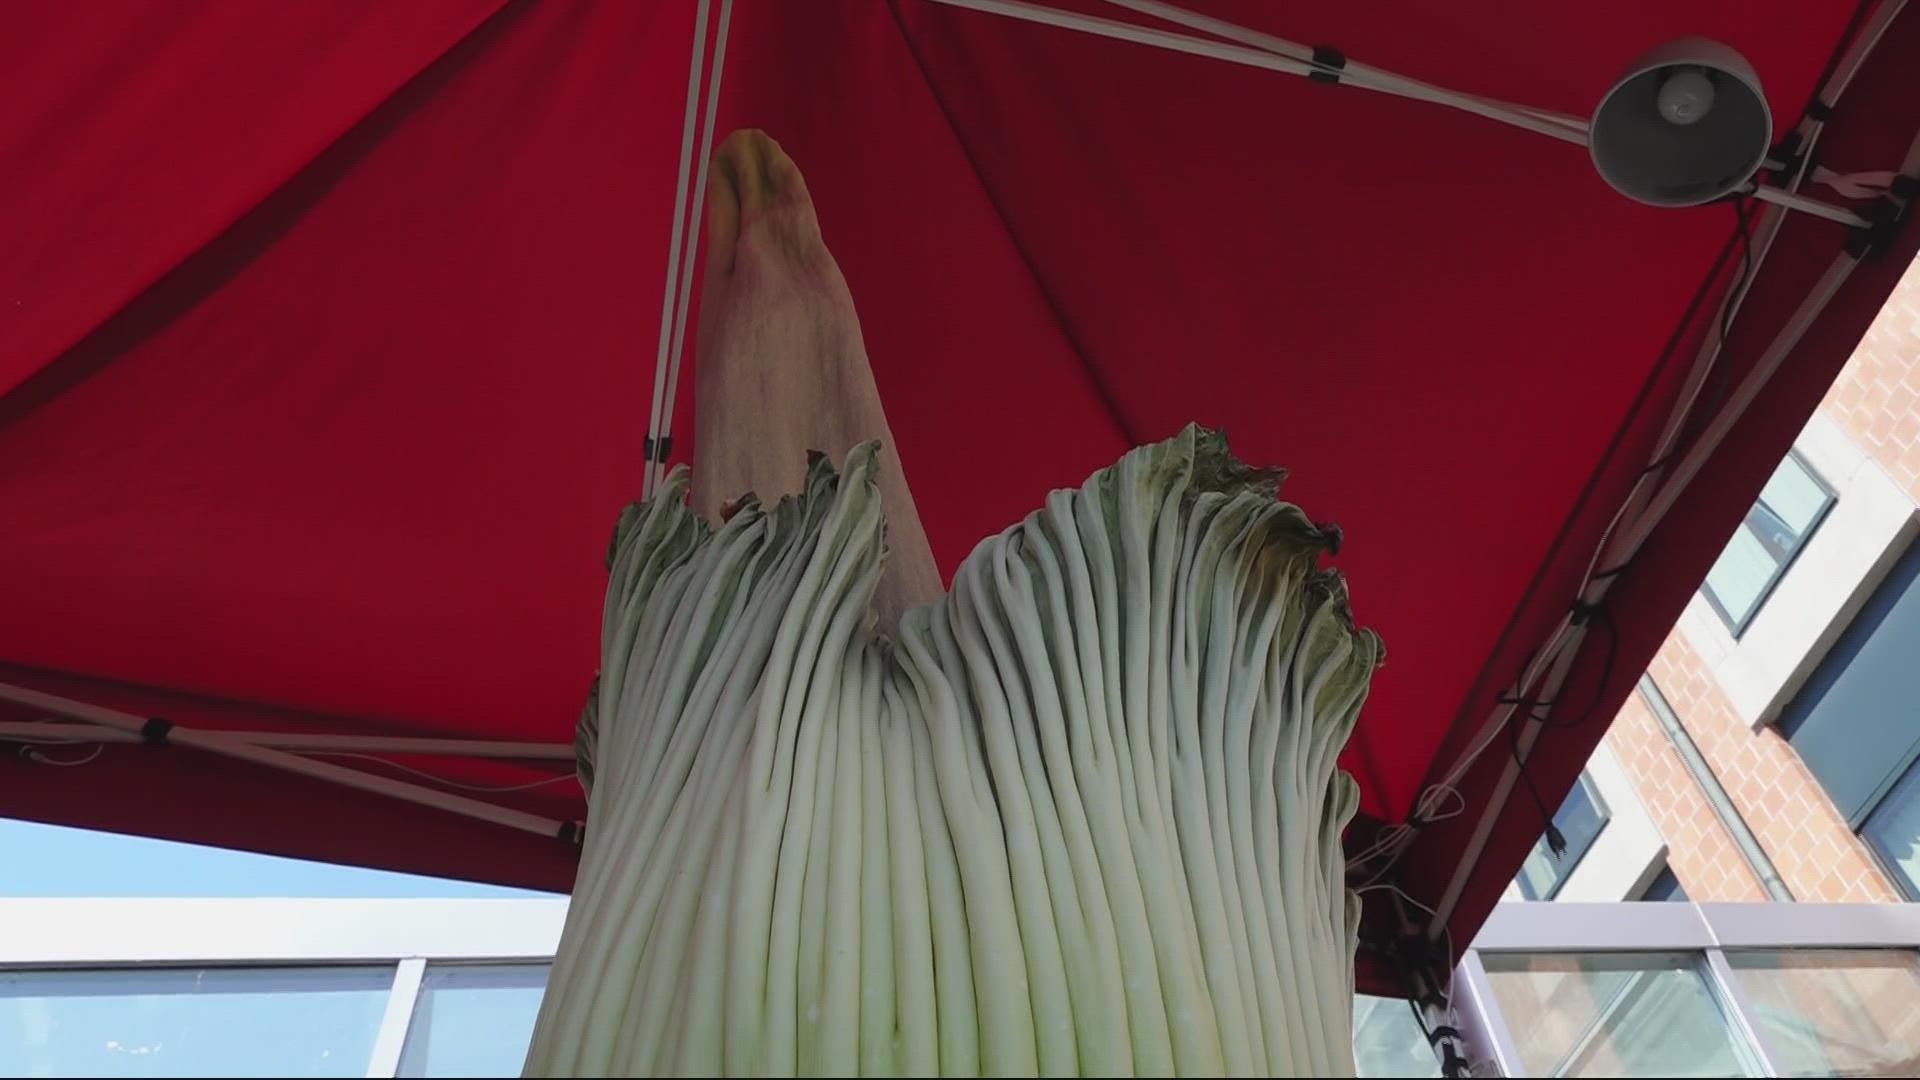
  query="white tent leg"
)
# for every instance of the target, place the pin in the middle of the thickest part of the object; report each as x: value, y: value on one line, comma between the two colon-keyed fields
x: 675, y: 252
x: 1255, y: 49
x: 1538, y: 121
x: 227, y: 744
x: 297, y: 741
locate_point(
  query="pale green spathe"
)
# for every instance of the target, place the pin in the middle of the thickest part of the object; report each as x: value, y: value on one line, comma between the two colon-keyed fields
x: 1083, y: 817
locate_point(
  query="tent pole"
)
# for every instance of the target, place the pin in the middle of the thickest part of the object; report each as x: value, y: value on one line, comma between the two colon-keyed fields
x: 1538, y: 121
x: 677, y: 349
x: 675, y: 251
x: 1256, y: 49
x: 1790, y: 201
x: 54, y: 731
x: 224, y: 743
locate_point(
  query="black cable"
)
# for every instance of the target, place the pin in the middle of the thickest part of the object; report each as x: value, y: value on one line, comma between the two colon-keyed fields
x: 1604, y: 617
x: 1540, y: 710
x: 1741, y: 240
x: 1742, y: 232
x: 1583, y: 614
x: 1541, y: 714
x: 1556, y: 840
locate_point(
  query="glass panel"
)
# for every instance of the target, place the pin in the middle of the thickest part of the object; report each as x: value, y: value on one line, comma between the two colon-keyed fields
x: 1853, y: 723
x: 473, y: 1020
x: 1644, y: 1014
x: 1579, y: 820
x: 1789, y: 508
x: 1387, y: 1039
x: 1835, y: 1012
x: 1795, y: 498
x: 1537, y: 876
x: 191, y: 1022
x: 1894, y: 831
x: 1740, y: 576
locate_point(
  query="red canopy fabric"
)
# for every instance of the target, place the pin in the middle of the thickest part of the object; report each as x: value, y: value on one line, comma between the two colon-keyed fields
x: 327, y: 339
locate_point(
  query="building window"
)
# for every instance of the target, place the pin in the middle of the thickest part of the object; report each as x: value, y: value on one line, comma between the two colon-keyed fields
x: 1791, y: 507
x: 1664, y: 886
x: 1853, y: 723
x: 1579, y: 821
x: 1892, y: 830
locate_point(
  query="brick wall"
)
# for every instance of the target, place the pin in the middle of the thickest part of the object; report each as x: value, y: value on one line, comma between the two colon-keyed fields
x: 1876, y: 401
x: 1787, y: 809
x: 1700, y: 851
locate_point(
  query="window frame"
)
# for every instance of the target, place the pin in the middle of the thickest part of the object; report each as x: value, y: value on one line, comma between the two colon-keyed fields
x: 1737, y: 627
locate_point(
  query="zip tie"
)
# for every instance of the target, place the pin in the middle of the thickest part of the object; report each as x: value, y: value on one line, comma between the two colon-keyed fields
x: 1873, y: 239
x: 1328, y: 63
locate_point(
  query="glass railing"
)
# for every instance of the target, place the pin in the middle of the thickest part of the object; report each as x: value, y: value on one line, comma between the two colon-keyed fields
x: 1634, y: 990
x: 1615, y: 1014
x: 451, y: 988
x: 188, y: 1021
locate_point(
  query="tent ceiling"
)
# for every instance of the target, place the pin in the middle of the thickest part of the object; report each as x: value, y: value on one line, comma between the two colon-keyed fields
x: 327, y: 338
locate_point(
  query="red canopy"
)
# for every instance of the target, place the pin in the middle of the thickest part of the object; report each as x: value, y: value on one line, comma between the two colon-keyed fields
x: 328, y: 335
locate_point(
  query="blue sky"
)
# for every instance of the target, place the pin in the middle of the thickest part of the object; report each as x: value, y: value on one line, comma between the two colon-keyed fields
x: 48, y: 860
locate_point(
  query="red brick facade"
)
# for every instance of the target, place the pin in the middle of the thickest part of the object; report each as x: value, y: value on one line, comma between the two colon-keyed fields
x: 1817, y: 856
x: 1700, y: 851
x: 1876, y: 401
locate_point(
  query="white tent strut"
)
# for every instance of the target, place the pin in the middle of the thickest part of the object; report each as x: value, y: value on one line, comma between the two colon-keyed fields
x: 232, y: 745
x: 1273, y: 54
x: 649, y: 474
x: 677, y: 349
x: 318, y: 742
x: 1254, y: 48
